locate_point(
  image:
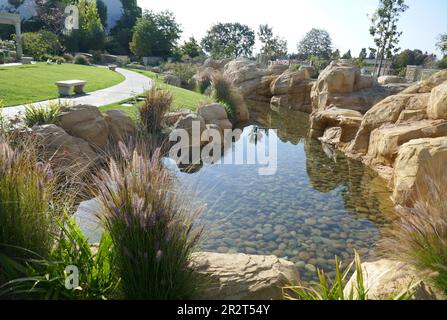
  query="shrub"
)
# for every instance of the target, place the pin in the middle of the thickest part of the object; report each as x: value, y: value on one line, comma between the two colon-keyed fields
x: 184, y: 71
x: 80, y: 59
x: 419, y: 236
x: 40, y: 116
x: 96, y: 56
x: 68, y: 57
x: 152, y: 230
x: 157, y: 102
x: 38, y: 44
x: 333, y: 289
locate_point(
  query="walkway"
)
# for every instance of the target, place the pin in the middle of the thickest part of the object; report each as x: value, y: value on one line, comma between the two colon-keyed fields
x: 134, y: 84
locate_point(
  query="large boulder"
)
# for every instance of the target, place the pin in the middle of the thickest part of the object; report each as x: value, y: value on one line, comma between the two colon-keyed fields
x: 341, y: 84
x: 215, y: 114
x: 245, y: 75
x: 386, y: 279
x: 121, y: 126
x: 244, y: 277
x: 292, y: 90
x: 385, y: 141
x: 172, y: 80
x: 85, y: 122
x: 437, y: 104
x: 216, y: 64
x: 72, y: 154
x: 417, y: 160
x: 190, y: 123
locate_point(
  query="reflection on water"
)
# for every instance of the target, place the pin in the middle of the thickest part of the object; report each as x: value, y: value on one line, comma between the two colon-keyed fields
x: 318, y: 204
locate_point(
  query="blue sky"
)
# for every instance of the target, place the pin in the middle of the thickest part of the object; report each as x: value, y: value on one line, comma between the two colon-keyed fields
x: 346, y: 20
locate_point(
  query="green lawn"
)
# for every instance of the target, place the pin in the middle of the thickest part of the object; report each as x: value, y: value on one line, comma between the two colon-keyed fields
x: 183, y: 99
x: 31, y: 83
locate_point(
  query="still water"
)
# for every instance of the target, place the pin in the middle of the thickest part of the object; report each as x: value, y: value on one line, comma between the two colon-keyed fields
x: 318, y: 204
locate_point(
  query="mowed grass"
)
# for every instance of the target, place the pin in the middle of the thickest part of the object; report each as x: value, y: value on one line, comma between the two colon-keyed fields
x: 183, y: 98
x: 32, y: 83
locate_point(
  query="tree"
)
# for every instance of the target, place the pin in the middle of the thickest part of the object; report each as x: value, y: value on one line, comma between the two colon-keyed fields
x: 102, y: 11
x: 50, y: 15
x: 316, y: 42
x: 442, y: 43
x: 372, y: 53
x: 363, y: 54
x: 40, y: 44
x: 191, y: 48
x: 121, y: 34
x: 155, y: 34
x: 384, y: 29
x: 347, y: 55
x: 412, y: 57
x: 335, y: 55
x: 272, y: 46
x: 229, y: 40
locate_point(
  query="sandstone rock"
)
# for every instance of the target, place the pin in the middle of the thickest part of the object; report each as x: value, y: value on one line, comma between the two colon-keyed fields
x: 437, y: 105
x: 263, y: 92
x: 244, y: 277
x: 215, y: 114
x: 391, y: 79
x: 288, y: 81
x: 277, y: 69
x: 121, y: 126
x: 172, y: 80
x: 386, y: 279
x: 85, y: 122
x: 245, y: 75
x: 385, y: 141
x: 215, y: 64
x: 73, y: 154
x: 338, y: 77
x: 172, y: 117
x: 416, y: 160
x: 188, y: 123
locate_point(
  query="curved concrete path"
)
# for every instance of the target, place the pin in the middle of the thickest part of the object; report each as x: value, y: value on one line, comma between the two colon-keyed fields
x: 134, y: 84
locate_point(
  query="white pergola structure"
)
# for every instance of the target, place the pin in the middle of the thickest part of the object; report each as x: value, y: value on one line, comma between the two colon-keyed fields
x: 14, y: 19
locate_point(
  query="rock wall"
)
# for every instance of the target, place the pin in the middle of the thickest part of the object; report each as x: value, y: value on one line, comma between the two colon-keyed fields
x: 400, y: 137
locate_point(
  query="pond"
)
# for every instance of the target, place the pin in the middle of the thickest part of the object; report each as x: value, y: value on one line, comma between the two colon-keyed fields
x: 318, y: 204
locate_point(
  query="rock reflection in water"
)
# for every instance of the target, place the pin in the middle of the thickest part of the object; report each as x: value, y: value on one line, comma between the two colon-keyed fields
x: 319, y: 203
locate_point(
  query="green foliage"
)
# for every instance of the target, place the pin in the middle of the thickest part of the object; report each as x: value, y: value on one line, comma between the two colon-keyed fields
x: 185, y: 71
x: 419, y: 236
x: 121, y: 34
x: 38, y: 44
x: 40, y: 116
x: 442, y: 43
x: 363, y: 55
x: 443, y: 63
x: 102, y: 12
x: 226, y: 40
x: 273, y: 47
x: 191, y: 48
x: 155, y: 34
x: 81, y: 59
x: 411, y: 57
x: 152, y: 229
x: 334, y: 289
x: 68, y: 57
x: 45, y: 278
x: 318, y: 63
x: 316, y: 42
x: 347, y: 55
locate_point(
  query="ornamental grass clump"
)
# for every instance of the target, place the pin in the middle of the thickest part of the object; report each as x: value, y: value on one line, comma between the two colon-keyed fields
x: 41, y: 115
x: 152, y: 229
x: 28, y: 210
x: 419, y: 235
x: 225, y: 93
x: 156, y: 104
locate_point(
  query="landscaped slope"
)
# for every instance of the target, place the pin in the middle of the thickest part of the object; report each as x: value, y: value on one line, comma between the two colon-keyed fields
x: 31, y: 83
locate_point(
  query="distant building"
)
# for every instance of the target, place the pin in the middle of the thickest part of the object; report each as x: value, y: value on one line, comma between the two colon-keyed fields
x: 27, y: 10
x: 370, y: 66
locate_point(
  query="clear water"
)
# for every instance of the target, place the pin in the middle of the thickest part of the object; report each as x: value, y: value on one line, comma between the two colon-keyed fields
x: 318, y: 204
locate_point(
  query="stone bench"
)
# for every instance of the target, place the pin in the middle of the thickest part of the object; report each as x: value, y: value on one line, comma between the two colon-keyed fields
x: 65, y: 86
x: 113, y: 67
x: 27, y: 60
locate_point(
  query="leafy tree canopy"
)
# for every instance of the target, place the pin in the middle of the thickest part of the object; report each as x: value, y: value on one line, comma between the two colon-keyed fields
x: 317, y: 42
